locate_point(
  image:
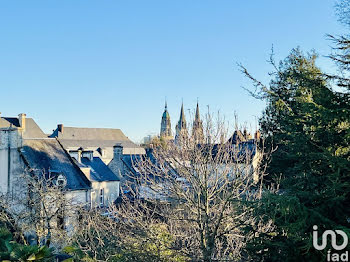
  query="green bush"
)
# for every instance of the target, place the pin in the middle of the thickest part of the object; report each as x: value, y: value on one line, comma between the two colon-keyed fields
x: 13, y: 251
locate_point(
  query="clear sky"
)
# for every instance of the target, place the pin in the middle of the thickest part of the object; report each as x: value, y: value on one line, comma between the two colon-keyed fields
x: 111, y: 63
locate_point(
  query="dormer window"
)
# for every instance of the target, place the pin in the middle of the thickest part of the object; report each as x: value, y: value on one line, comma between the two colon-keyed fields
x: 58, y: 178
x: 61, y: 181
x: 102, y: 152
x: 88, y: 154
x: 74, y: 154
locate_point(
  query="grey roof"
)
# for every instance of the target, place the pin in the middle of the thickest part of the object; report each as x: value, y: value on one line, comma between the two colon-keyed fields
x: 77, y: 133
x: 99, y: 170
x: 240, y: 152
x: 32, y: 130
x: 237, y: 137
x: 96, y: 143
x: 92, y: 137
x: 132, y: 162
x: 9, y: 122
x: 43, y: 155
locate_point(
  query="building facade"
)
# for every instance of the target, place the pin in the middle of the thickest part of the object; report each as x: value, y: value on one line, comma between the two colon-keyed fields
x: 95, y: 151
x: 25, y: 152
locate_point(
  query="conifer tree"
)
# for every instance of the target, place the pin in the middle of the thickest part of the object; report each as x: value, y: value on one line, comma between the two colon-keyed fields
x: 307, y: 124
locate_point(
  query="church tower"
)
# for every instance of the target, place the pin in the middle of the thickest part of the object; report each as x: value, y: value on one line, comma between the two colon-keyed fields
x: 165, y: 126
x: 197, y: 129
x: 181, y: 128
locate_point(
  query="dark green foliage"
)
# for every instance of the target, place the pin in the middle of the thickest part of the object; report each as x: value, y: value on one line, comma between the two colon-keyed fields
x: 13, y: 251
x: 307, y: 123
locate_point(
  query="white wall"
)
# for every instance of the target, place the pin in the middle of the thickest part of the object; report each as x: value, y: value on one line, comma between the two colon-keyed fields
x: 9, y: 140
x: 111, y: 192
x: 76, y: 198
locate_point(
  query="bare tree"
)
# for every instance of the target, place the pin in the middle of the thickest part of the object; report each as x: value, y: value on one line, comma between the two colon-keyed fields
x: 103, y: 237
x: 40, y: 209
x: 198, y: 192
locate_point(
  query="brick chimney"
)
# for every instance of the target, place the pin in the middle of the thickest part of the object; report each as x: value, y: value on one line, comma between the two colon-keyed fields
x: 22, y: 120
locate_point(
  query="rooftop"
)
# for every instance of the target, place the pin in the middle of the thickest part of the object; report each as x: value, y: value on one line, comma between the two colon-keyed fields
x: 99, y: 170
x: 44, y: 155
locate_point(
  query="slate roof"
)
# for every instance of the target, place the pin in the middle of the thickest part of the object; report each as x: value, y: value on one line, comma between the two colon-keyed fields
x: 32, y: 130
x: 99, y: 170
x: 96, y: 143
x: 9, y: 122
x: 92, y: 134
x: 132, y: 161
x: 246, y: 151
x: 237, y: 137
x: 240, y: 152
x: 42, y: 155
x: 93, y: 138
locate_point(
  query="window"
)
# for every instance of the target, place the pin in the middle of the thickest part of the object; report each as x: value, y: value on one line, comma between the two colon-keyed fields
x: 102, y: 152
x: 88, y: 154
x: 57, y: 178
x: 60, y: 216
x: 101, y: 197
x: 60, y: 219
x: 74, y: 154
x: 61, y: 181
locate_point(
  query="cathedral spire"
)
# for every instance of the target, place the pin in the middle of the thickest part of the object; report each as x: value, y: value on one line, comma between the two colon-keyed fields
x: 197, y: 117
x: 197, y: 128
x: 181, y: 128
x: 165, y: 126
x: 182, y: 119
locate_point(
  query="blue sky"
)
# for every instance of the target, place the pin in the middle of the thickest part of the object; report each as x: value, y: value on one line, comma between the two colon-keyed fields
x: 112, y: 63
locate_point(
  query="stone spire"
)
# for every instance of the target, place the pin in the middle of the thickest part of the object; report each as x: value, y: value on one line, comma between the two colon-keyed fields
x: 197, y: 129
x: 181, y: 128
x: 165, y: 126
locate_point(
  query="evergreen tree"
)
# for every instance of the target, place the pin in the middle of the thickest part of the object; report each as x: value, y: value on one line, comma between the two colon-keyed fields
x: 307, y: 124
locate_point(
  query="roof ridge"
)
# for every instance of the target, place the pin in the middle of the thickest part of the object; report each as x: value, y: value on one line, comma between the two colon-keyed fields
x: 112, y: 128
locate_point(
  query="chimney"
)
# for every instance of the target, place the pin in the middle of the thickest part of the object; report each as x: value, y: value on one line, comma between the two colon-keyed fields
x: 118, y: 151
x: 22, y: 120
x: 60, y: 128
x: 80, y: 151
x: 118, y: 159
x: 257, y: 135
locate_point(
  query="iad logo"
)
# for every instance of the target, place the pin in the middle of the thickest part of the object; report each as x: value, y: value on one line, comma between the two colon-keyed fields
x: 332, y: 234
